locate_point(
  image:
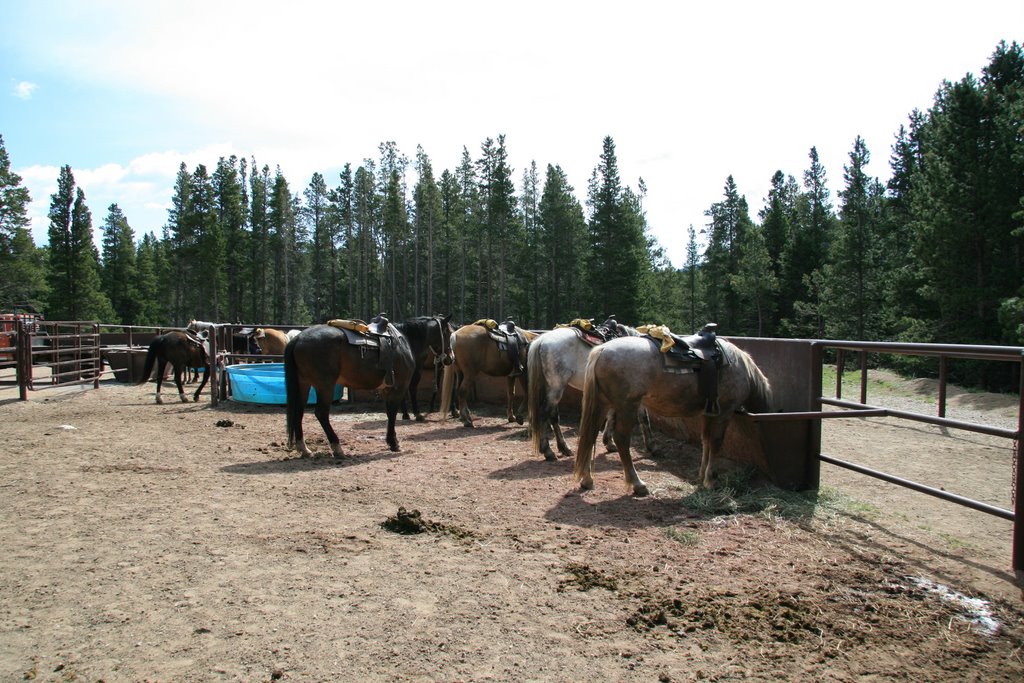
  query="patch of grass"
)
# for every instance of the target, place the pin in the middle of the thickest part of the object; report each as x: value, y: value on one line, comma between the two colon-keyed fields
x: 684, y: 536
x: 956, y: 543
x: 735, y: 494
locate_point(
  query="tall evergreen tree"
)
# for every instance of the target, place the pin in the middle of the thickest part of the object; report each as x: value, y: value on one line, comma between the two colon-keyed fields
x: 851, y: 301
x: 75, y: 289
x: 209, y: 286
x: 617, y: 241
x: 426, y: 232
x: 261, y: 249
x: 805, y: 257
x: 730, y: 220
x: 562, y: 251
x: 23, y: 265
x: 229, y: 198
x: 147, y: 282
x: 317, y: 215
x: 118, y: 272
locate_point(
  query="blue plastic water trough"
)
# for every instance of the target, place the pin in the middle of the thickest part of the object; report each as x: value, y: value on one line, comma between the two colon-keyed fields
x: 263, y: 383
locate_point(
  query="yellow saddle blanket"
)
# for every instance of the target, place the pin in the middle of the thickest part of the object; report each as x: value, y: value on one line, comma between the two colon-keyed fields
x: 581, y: 323
x: 354, y: 325
x: 660, y: 332
x: 488, y: 323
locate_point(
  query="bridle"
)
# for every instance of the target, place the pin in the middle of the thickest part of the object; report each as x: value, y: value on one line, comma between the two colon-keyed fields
x: 444, y: 355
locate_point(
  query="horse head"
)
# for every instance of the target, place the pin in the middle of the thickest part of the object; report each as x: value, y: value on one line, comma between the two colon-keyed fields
x: 445, y: 331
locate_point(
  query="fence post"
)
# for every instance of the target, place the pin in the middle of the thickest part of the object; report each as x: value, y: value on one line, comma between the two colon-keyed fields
x: 23, y: 361
x: 1018, y: 494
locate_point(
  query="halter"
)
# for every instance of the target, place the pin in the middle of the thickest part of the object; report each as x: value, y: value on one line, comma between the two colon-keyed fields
x: 442, y: 356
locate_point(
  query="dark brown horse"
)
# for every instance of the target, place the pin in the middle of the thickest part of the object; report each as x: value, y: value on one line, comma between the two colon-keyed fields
x: 625, y: 373
x: 429, y: 339
x: 475, y: 353
x: 322, y: 356
x: 182, y: 352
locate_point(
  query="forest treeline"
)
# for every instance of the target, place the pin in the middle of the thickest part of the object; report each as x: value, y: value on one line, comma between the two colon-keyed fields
x: 932, y: 255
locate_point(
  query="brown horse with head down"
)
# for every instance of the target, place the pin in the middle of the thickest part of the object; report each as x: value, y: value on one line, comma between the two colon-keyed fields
x: 475, y: 353
x: 322, y: 356
x: 182, y: 352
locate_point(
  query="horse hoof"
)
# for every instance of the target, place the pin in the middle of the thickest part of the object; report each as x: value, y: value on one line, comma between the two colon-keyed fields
x: 550, y: 457
x: 421, y: 418
x: 640, y: 490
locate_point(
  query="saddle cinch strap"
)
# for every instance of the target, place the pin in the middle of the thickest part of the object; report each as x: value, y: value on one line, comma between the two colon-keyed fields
x: 698, y: 353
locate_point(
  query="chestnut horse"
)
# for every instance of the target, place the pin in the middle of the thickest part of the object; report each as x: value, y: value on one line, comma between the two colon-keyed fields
x: 625, y: 373
x: 271, y: 341
x: 475, y: 353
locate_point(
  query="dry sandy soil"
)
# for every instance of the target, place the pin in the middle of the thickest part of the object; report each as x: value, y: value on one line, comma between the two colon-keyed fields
x: 182, y: 542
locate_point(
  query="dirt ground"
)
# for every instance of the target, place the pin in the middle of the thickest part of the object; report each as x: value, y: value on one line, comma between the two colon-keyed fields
x: 182, y: 542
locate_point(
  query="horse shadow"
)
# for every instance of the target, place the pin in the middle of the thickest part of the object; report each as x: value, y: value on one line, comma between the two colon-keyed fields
x: 294, y: 465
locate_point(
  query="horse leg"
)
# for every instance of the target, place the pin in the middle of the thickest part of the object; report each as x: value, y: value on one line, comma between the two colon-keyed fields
x: 624, y: 422
x: 510, y: 393
x: 161, y: 368
x: 712, y: 435
x: 462, y: 393
x: 643, y: 418
x: 414, y: 384
x: 297, y: 440
x: 179, y: 372
x: 606, y: 433
x: 206, y: 378
x: 391, y: 404
x: 324, y: 395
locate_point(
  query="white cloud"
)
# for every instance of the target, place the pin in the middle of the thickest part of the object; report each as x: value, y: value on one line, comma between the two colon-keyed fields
x: 23, y: 90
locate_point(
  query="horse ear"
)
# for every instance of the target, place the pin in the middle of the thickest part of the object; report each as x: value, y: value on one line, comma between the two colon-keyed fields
x: 448, y: 318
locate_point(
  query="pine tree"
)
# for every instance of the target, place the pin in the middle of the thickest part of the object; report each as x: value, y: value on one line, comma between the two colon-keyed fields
x: 527, y: 270
x: 562, y: 251
x: 617, y: 243
x: 851, y: 299
x: 147, y: 284
x: 317, y: 215
x: 426, y: 232
x: 730, y: 220
x: 118, y: 272
x: 755, y: 281
x: 229, y: 199
x: 694, y: 310
x: 209, y: 280
x: 75, y: 290
x: 812, y: 233
x: 261, y: 250
x: 23, y: 265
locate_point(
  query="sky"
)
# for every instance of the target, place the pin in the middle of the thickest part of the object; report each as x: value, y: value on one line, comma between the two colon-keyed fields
x: 691, y: 93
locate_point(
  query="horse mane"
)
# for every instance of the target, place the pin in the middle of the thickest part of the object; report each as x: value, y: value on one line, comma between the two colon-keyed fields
x: 760, y: 399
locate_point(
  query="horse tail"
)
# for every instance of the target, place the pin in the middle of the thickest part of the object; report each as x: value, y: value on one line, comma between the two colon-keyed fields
x: 591, y: 415
x: 151, y: 354
x: 294, y: 403
x: 448, y: 384
x: 537, y: 391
